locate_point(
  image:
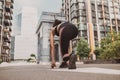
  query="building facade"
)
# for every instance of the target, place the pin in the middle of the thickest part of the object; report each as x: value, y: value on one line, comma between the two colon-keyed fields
x: 6, y: 13
x: 94, y: 18
x: 25, y: 37
x: 43, y: 35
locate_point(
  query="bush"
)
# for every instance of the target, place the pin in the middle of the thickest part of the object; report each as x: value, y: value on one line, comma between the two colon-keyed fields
x: 110, y: 46
x: 97, y: 52
x: 83, y: 49
x: 32, y: 58
x: 28, y: 60
x: 33, y: 55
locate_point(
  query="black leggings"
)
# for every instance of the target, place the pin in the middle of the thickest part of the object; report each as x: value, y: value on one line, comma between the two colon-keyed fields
x: 68, y: 33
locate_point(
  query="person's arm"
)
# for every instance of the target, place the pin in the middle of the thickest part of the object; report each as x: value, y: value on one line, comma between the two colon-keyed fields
x: 70, y: 47
x: 52, y: 49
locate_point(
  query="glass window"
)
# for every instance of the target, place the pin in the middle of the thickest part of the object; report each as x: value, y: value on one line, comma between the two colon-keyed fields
x: 0, y: 20
x: 73, y: 14
x: 102, y: 35
x: 84, y: 34
x: 99, y: 8
x: 1, y: 4
x: 0, y: 13
x: 82, y: 27
x: 73, y: 8
x: 82, y: 19
x: 94, y: 20
x: 81, y: 5
x: 72, y: 1
x: 80, y: 0
x: 101, y: 27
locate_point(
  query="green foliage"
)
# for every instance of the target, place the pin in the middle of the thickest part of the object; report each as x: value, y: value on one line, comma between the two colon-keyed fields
x: 29, y: 59
x: 104, y: 42
x: 97, y: 52
x: 110, y: 46
x: 33, y: 55
x: 32, y: 58
x: 82, y: 48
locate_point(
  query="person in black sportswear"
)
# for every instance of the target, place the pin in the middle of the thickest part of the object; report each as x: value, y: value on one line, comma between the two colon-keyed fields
x: 66, y: 32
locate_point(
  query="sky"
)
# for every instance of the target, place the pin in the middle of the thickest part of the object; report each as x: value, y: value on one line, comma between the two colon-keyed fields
x: 41, y: 5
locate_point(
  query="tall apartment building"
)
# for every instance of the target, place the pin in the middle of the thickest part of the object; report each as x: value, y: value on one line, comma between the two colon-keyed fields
x: 43, y: 35
x: 25, y: 37
x: 6, y: 12
x: 94, y: 18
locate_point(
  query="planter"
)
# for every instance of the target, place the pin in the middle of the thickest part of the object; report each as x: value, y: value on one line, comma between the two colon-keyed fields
x: 112, y: 61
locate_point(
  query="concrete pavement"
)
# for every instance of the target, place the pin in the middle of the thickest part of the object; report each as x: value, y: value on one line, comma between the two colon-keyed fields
x: 43, y: 72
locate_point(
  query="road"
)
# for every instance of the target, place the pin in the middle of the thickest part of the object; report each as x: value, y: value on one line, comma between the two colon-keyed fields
x: 43, y: 72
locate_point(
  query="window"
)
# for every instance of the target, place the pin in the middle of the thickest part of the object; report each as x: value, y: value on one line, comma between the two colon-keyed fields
x: 82, y: 19
x: 82, y: 27
x: 73, y: 8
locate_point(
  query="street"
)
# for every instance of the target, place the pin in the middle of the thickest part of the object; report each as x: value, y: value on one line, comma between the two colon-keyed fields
x: 43, y: 72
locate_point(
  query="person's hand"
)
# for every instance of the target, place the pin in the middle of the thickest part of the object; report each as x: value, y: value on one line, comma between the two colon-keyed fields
x: 53, y: 65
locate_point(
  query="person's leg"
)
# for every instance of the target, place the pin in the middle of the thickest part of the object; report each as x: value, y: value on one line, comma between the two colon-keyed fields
x: 64, y: 45
x: 72, y: 61
x: 66, y: 34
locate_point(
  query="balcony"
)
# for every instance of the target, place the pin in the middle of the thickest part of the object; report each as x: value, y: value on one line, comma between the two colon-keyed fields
x: 0, y: 15
x: 7, y: 9
x: 82, y: 8
x: 12, y: 1
x: 93, y: 15
x: 82, y: 28
x: 93, y: 9
x: 105, y: 4
x: 5, y: 52
x: 104, y: 30
x: 6, y: 37
x: 93, y: 2
x: 107, y: 17
x: 8, y: 2
x: 9, y: 41
x: 99, y: 3
x: 6, y: 45
x: 7, y: 31
x: 7, y: 23
x: 100, y: 17
x: 8, y: 16
x: 83, y: 15
x: 100, y: 11
x: 11, y: 6
x: 1, y: 7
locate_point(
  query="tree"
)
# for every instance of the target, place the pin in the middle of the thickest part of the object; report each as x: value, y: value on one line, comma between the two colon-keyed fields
x: 110, y: 46
x: 82, y: 48
x: 97, y: 52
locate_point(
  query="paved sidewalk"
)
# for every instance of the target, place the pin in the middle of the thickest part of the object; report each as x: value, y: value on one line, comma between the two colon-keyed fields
x: 33, y: 71
x: 16, y: 63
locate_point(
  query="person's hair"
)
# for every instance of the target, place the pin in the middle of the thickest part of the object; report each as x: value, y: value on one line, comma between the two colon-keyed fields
x: 56, y: 22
